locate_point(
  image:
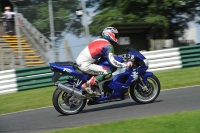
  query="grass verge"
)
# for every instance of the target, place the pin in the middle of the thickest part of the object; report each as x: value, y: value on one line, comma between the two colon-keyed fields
x: 183, y: 122
x: 43, y: 97
x: 24, y: 100
x: 179, y: 77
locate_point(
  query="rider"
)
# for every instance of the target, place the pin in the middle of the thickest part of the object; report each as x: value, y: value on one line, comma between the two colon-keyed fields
x: 95, y: 50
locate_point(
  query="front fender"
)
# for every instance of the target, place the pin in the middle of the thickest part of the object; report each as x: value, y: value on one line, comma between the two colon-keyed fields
x: 145, y: 76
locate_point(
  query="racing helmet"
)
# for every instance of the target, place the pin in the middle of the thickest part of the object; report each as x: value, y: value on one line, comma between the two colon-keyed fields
x: 111, y: 34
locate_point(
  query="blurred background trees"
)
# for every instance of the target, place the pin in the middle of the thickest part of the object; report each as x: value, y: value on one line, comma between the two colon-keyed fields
x: 63, y: 12
x: 168, y: 16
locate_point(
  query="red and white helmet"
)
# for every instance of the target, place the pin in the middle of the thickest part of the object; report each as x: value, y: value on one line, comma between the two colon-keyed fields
x: 111, y: 34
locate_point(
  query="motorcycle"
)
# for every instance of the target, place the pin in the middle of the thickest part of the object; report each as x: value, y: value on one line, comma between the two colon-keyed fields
x: 68, y: 98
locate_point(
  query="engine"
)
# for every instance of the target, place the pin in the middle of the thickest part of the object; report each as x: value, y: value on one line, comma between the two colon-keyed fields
x: 106, y: 89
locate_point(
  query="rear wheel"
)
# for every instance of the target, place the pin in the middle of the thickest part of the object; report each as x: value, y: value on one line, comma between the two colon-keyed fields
x: 142, y: 96
x: 67, y: 104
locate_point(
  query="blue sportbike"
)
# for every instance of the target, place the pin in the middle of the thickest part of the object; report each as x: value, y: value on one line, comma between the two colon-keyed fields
x: 142, y: 86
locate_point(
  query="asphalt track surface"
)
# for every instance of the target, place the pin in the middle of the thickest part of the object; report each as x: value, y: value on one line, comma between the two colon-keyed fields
x: 45, y: 119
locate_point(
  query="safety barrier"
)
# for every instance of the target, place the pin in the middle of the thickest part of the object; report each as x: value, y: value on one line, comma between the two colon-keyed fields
x: 26, y: 79
x: 190, y: 55
x: 8, y: 81
x: 33, y: 77
x: 37, y: 77
x: 163, y: 59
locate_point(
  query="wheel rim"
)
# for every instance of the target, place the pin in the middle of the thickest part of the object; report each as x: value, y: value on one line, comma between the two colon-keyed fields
x: 152, y: 91
x: 69, y: 104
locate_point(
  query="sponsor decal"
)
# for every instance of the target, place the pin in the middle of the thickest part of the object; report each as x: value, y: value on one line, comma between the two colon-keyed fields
x: 94, y: 72
x: 125, y: 87
x: 107, y: 76
x: 67, y: 70
x: 135, y: 76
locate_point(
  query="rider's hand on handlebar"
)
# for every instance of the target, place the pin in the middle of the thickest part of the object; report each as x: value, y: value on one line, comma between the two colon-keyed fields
x: 129, y: 64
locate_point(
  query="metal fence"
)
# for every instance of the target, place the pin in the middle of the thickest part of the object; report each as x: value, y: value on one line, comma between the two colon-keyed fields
x: 2, y: 27
x: 57, y: 19
x: 39, y: 15
x: 8, y: 59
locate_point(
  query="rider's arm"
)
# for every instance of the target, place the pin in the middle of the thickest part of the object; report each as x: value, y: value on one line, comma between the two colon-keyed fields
x: 109, y: 52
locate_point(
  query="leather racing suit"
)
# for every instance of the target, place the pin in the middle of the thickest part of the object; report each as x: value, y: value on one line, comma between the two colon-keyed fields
x: 96, y: 49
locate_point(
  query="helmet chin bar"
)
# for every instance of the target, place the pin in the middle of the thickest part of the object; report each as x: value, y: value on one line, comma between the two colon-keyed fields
x: 114, y: 43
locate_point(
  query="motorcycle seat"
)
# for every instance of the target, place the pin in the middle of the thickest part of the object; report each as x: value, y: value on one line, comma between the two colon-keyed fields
x: 66, y: 63
x: 69, y: 63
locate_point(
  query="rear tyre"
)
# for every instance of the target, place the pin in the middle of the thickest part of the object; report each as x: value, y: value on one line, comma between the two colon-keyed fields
x: 67, y: 104
x: 143, y: 97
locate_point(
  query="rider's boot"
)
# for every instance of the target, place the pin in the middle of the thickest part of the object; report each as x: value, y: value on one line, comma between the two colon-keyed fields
x: 87, y: 86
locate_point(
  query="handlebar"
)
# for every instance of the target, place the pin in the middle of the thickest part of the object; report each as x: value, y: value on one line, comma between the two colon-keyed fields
x: 127, y: 57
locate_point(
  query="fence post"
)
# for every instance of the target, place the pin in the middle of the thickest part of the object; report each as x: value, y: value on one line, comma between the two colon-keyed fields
x: 52, y: 30
x: 1, y: 59
x: 87, y: 31
x: 18, y: 37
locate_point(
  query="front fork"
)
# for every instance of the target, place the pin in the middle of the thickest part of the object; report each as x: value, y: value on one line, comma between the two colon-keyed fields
x: 144, y: 86
x: 143, y: 80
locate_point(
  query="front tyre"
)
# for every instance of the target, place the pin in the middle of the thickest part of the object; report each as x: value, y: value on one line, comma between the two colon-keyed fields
x: 67, y: 104
x: 142, y: 96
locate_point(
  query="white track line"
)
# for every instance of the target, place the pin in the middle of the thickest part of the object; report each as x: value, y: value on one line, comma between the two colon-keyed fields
x: 181, y: 87
x: 52, y: 106
x: 26, y: 110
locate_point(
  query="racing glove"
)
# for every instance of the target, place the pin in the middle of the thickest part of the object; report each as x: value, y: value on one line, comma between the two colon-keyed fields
x: 129, y: 64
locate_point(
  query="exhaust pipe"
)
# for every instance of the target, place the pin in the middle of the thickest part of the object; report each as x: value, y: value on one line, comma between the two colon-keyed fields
x: 70, y: 90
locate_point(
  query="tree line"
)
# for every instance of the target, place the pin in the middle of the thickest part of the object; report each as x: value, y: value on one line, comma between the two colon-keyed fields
x: 168, y: 16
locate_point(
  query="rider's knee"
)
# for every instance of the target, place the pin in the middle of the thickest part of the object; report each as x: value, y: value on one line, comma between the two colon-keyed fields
x: 107, y: 75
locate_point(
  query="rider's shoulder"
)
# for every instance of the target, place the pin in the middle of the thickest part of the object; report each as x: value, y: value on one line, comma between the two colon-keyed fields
x: 102, y: 41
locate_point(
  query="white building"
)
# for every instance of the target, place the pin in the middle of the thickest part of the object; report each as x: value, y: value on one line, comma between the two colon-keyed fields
x: 191, y: 34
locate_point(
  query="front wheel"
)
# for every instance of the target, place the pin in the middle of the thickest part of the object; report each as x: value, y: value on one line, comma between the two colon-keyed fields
x: 142, y: 96
x: 67, y: 104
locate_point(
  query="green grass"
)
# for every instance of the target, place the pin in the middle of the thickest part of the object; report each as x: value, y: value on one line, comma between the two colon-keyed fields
x: 24, y: 100
x: 43, y: 97
x: 183, y: 122
x: 179, y: 77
